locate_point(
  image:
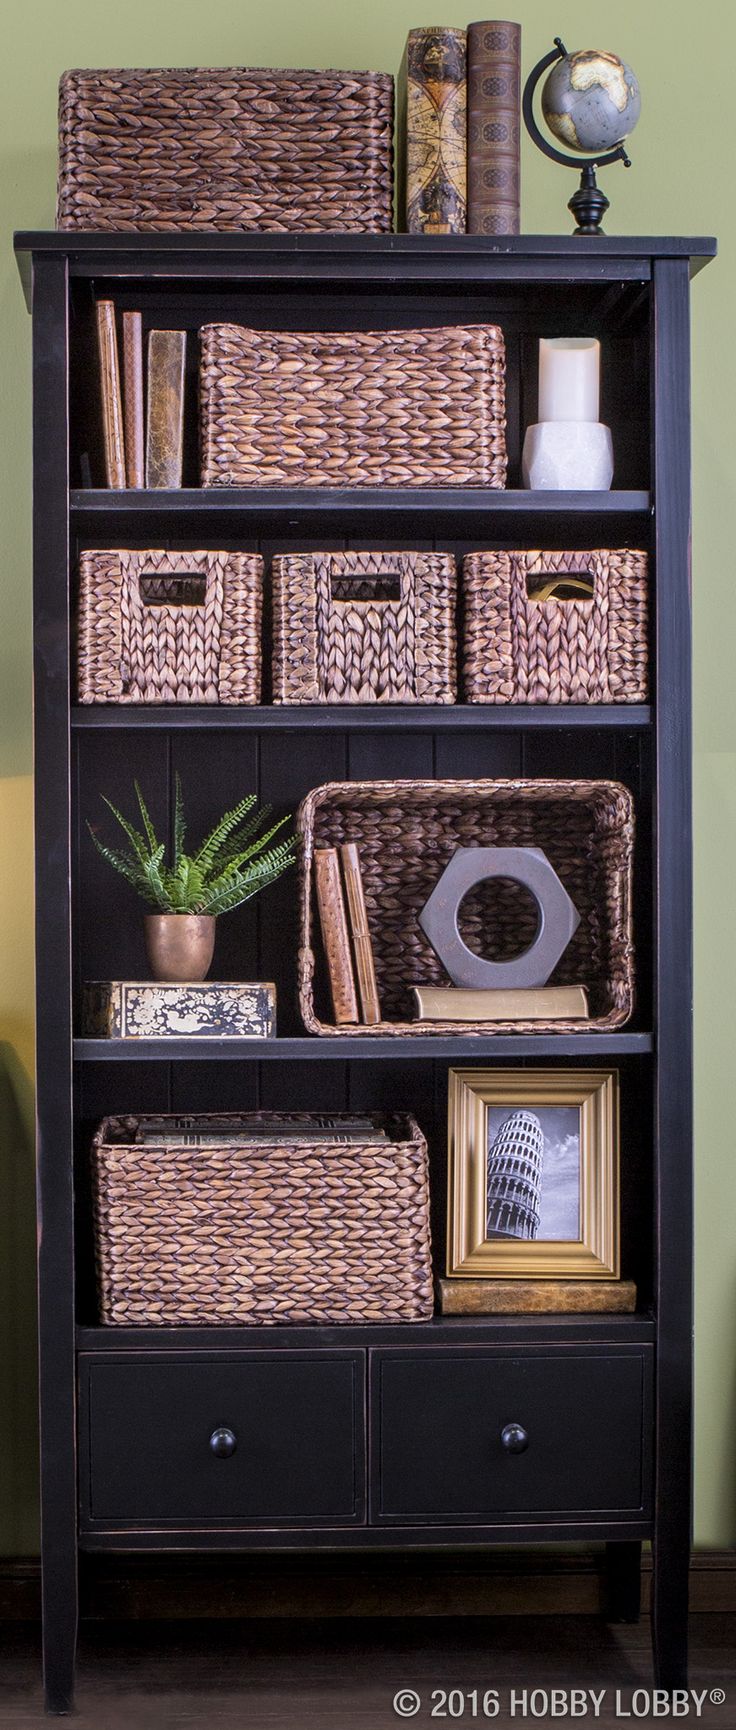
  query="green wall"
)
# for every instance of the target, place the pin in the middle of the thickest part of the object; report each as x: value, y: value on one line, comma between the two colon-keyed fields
x: 681, y: 182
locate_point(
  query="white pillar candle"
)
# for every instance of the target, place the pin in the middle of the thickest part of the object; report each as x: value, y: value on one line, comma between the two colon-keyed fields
x: 569, y: 368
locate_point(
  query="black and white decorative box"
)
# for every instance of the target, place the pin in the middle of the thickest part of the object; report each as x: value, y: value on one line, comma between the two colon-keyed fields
x: 149, y: 1009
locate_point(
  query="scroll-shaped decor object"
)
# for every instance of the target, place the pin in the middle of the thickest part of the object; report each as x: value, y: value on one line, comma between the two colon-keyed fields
x: 558, y: 918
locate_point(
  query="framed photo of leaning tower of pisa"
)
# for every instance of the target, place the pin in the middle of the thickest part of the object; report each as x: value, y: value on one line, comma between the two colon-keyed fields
x: 533, y: 1174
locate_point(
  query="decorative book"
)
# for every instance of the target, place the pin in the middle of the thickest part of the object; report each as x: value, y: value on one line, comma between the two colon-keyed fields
x: 544, y: 1003
x: 110, y: 394
x: 165, y: 423
x: 365, y: 969
x: 494, y: 124
x: 133, y: 399
x: 144, y: 1009
x: 335, y: 935
x: 433, y: 107
x: 482, y: 1297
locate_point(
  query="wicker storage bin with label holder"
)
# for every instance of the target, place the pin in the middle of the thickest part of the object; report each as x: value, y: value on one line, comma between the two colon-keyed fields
x: 160, y: 627
x: 556, y: 627
x: 406, y: 833
x: 364, y: 627
x: 226, y: 148
x: 209, y: 1233
x: 353, y: 408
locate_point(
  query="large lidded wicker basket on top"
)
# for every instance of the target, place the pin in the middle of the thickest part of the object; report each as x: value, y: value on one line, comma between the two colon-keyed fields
x: 226, y: 149
x: 353, y: 408
x: 407, y: 831
x: 242, y: 1233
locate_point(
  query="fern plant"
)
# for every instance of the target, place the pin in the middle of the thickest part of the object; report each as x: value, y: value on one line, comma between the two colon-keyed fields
x: 234, y: 862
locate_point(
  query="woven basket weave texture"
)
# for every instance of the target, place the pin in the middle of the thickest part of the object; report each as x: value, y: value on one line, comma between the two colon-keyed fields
x: 210, y: 1236
x: 160, y: 627
x: 406, y: 833
x: 226, y: 149
x: 520, y: 650
x: 411, y: 408
x: 364, y: 627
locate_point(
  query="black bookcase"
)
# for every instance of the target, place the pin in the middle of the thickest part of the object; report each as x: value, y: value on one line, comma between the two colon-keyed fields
x: 127, y: 1414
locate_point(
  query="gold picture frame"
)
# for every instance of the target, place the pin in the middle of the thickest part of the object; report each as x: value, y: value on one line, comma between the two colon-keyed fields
x: 471, y: 1252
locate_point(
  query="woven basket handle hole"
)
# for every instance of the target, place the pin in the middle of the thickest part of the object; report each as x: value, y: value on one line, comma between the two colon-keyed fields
x: 183, y: 589
x: 366, y: 590
x: 569, y: 585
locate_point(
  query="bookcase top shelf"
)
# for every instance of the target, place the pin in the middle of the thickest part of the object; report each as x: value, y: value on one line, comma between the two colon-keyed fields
x: 387, y: 256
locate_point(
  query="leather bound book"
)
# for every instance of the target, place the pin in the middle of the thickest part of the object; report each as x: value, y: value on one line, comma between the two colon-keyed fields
x: 112, y: 405
x: 485, y: 1297
x: 537, y: 1003
x: 494, y: 127
x: 433, y: 132
x: 335, y: 934
x: 133, y: 399
x: 362, y: 946
x: 165, y: 423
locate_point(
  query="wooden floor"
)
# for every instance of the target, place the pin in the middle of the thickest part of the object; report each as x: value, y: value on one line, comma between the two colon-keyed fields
x: 343, y: 1675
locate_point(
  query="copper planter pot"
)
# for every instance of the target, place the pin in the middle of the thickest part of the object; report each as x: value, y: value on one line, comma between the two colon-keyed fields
x: 179, y: 946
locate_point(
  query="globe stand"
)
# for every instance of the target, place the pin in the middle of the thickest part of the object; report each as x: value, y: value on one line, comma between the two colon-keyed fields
x: 588, y: 205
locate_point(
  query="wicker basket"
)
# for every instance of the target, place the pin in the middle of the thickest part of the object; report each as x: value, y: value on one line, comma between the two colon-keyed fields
x: 407, y: 831
x: 206, y: 1236
x: 226, y: 149
x: 364, y: 628
x: 158, y: 627
x: 353, y: 408
x: 520, y: 650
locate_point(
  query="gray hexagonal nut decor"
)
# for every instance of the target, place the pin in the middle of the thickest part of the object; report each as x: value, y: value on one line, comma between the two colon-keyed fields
x: 558, y: 917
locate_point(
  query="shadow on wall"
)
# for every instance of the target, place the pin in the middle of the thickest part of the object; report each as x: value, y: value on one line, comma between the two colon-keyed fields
x: 18, y: 1404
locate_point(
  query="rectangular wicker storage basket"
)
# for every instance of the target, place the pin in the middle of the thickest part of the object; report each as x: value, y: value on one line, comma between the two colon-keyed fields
x: 353, y: 408
x: 159, y: 627
x: 242, y: 1233
x: 226, y: 149
x: 579, y: 650
x: 364, y: 628
x: 407, y: 831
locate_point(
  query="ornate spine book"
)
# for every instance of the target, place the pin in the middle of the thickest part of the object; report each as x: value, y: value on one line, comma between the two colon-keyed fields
x: 494, y: 115
x: 150, y: 1009
x: 165, y: 423
x: 433, y: 152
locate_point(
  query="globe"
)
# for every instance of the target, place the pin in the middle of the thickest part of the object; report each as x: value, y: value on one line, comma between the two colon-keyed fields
x: 591, y: 101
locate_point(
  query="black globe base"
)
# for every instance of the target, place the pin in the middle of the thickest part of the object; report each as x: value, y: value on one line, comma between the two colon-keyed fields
x: 588, y: 205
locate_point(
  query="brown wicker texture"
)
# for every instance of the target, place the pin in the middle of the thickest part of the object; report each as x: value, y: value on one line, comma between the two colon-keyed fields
x: 159, y: 627
x: 519, y: 650
x: 226, y: 149
x: 364, y: 628
x: 407, y: 831
x: 210, y: 1236
x: 353, y: 408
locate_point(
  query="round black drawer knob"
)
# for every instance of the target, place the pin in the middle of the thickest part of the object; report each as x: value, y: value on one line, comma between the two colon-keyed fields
x: 514, y: 1439
x: 223, y: 1443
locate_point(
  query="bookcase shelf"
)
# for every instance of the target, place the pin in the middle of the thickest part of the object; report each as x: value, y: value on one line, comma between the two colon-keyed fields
x: 634, y: 293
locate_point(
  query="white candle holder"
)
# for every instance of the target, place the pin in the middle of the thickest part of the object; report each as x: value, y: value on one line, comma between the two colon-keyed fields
x: 567, y: 456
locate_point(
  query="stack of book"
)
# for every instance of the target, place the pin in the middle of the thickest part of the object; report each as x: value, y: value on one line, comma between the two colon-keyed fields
x: 141, y: 449
x: 459, y: 130
x: 345, y: 935
x: 282, y: 1131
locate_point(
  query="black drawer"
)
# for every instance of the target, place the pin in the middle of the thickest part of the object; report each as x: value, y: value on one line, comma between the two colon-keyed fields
x: 267, y: 1438
x: 482, y: 1435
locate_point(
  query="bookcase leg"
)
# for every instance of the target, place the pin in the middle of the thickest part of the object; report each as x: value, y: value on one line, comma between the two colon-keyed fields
x: 669, y: 1617
x: 59, y: 1637
x: 623, y: 1581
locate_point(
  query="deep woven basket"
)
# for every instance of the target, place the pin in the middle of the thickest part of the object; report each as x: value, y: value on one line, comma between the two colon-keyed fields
x: 353, y: 408
x: 226, y: 149
x: 208, y: 1236
x: 159, y: 627
x: 364, y: 628
x: 519, y: 650
x: 407, y: 831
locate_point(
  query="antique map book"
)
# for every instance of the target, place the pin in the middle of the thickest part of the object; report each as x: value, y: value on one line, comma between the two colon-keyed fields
x: 335, y: 934
x: 165, y: 422
x: 432, y: 132
x: 150, y: 1009
x: 542, y: 1003
x: 494, y: 127
x: 110, y: 395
